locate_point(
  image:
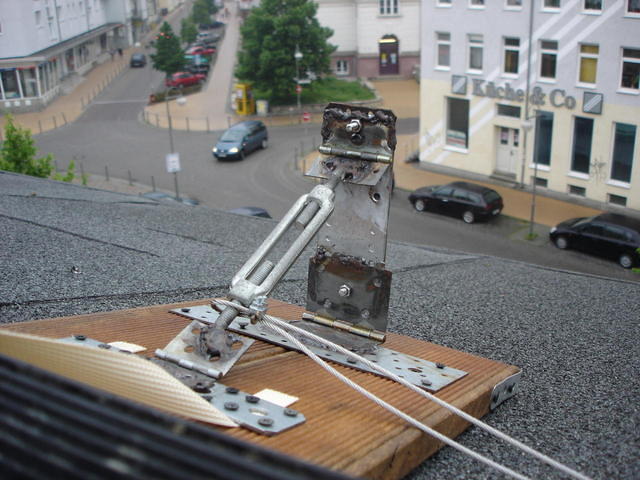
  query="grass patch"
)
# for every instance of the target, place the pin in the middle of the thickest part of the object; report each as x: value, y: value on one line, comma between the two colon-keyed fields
x: 326, y: 90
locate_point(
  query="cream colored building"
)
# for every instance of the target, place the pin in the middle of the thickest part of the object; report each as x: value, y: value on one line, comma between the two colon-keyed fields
x: 579, y: 131
x: 375, y: 38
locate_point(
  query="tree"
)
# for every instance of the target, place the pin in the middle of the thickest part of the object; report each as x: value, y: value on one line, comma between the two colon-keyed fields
x: 169, y: 56
x: 188, y: 31
x: 18, y: 152
x: 270, y: 36
x: 202, y: 11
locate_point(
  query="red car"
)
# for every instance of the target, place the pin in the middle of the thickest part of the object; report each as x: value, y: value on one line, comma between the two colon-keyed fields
x: 201, y: 51
x: 184, y: 79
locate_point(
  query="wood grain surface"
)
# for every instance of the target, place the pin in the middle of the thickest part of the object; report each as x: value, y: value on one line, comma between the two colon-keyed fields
x: 344, y: 431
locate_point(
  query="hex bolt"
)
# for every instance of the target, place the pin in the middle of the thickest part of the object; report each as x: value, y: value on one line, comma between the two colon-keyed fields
x: 377, y: 283
x: 185, y: 310
x: 233, y: 406
x: 252, y: 399
x: 265, y: 422
x: 232, y: 390
x: 440, y: 365
x: 344, y: 290
x: 80, y: 338
x: 290, y: 412
x: 365, y: 313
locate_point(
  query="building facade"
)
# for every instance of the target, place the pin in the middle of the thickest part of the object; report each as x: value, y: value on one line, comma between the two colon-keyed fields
x: 564, y: 113
x: 375, y: 38
x: 44, y: 42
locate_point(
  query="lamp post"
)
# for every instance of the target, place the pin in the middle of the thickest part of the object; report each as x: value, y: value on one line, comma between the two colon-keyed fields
x: 298, y: 56
x: 176, y: 167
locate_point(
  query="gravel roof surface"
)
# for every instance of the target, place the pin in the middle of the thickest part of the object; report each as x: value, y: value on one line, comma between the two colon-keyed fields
x: 68, y: 250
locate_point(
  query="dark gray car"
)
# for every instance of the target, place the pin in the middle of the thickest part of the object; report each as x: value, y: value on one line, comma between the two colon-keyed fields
x: 241, y: 139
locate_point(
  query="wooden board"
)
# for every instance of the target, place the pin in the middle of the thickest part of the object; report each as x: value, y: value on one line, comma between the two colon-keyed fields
x: 344, y: 431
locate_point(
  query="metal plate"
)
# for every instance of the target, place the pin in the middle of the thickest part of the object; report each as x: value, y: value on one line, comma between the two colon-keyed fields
x: 505, y: 390
x: 90, y: 342
x: 184, y: 348
x: 253, y: 413
x: 422, y: 373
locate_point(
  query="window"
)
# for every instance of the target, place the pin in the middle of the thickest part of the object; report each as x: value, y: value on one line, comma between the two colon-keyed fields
x: 593, y: 5
x: 617, y: 200
x: 511, y: 54
x: 576, y: 190
x: 544, y: 136
x: 548, y: 58
x: 513, y: 4
x: 28, y: 82
x: 540, y: 182
x: 476, y: 3
x: 443, y: 42
x: 582, y: 136
x: 508, y: 110
x: 475, y: 52
x: 388, y: 7
x: 342, y: 67
x: 588, y: 63
x: 551, y: 4
x: 457, y: 122
x: 623, y: 146
x: 38, y: 18
x: 10, y: 83
x: 630, y: 68
x: 444, y: 3
x: 633, y: 7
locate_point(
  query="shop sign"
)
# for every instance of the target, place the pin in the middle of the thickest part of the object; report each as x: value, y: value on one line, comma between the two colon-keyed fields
x: 481, y: 88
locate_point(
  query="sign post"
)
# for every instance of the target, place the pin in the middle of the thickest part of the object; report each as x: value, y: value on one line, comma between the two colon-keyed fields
x: 173, y: 166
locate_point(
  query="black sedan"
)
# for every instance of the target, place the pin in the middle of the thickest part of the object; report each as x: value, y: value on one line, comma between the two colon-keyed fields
x: 608, y: 235
x: 460, y: 199
x: 138, y: 60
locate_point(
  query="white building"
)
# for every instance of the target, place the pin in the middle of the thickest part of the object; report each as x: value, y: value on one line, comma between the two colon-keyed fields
x: 374, y: 37
x: 577, y: 130
x: 42, y: 42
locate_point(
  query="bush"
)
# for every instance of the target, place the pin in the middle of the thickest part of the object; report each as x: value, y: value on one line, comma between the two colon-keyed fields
x: 159, y: 96
x: 325, y: 90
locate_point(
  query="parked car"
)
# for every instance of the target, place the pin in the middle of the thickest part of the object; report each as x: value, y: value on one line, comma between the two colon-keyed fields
x: 609, y: 235
x: 201, y: 50
x: 241, y: 139
x: 138, y: 60
x: 163, y: 197
x: 197, y: 64
x: 251, y: 212
x: 184, y: 79
x: 208, y: 36
x: 460, y: 199
x: 210, y: 26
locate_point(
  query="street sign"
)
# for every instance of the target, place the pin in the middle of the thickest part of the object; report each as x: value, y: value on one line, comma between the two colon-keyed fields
x: 298, y: 89
x: 173, y: 162
x: 306, y: 117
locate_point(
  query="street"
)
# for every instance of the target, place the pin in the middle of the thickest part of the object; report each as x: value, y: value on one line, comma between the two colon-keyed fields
x: 111, y: 135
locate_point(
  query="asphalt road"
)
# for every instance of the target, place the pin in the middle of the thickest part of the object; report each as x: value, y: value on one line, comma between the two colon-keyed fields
x: 111, y: 134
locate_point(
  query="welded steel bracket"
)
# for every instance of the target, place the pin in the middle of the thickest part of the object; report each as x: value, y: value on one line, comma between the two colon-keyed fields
x: 347, y: 278
x: 422, y: 373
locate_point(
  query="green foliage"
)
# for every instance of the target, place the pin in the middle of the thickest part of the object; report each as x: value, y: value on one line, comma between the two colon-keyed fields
x: 202, y: 11
x: 188, y: 31
x: 329, y: 89
x: 18, y: 152
x: 169, y: 56
x: 270, y: 35
x: 69, y: 176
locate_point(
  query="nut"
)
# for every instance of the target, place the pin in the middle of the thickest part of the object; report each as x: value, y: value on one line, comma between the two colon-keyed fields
x: 344, y: 290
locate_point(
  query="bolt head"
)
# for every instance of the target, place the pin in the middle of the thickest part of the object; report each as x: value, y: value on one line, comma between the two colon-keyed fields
x: 354, y: 126
x: 265, y: 422
x: 365, y: 313
x: 233, y: 406
x: 289, y: 412
x: 344, y: 291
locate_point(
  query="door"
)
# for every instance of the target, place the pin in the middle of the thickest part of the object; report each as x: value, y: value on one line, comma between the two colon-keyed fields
x: 508, y: 143
x: 389, y: 61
